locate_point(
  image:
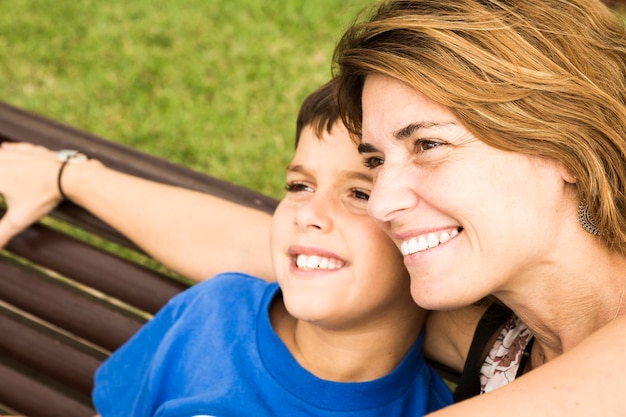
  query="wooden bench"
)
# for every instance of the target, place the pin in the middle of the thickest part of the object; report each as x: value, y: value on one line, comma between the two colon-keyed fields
x: 66, y: 303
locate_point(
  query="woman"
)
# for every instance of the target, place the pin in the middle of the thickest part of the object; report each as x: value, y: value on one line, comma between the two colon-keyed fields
x: 496, y: 132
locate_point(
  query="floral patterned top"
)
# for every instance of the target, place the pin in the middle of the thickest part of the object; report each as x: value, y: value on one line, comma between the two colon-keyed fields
x: 507, y: 358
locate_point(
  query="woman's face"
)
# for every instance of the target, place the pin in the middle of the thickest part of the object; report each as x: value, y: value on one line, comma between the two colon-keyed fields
x: 470, y: 219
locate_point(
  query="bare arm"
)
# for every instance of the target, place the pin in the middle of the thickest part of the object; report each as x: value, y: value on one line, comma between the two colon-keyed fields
x: 193, y: 233
x: 586, y: 381
x: 449, y: 334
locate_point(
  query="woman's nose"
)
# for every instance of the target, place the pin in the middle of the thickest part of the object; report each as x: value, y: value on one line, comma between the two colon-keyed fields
x: 392, y: 193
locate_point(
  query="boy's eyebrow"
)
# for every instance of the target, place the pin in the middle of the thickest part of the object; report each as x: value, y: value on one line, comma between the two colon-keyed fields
x: 359, y: 176
x: 366, y: 148
x: 295, y: 168
x: 345, y: 174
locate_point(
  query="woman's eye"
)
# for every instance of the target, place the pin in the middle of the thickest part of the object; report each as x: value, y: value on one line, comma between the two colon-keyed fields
x: 422, y: 145
x: 294, y: 187
x: 361, y: 195
x: 372, y: 162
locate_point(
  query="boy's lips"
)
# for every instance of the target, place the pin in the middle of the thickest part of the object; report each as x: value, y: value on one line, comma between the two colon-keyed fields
x: 427, y: 241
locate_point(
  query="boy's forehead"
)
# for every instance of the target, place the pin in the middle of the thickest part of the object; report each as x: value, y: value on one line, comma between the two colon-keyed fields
x: 333, y: 150
x: 336, y: 141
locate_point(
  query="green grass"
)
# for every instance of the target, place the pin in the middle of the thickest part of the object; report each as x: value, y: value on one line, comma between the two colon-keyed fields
x: 211, y: 84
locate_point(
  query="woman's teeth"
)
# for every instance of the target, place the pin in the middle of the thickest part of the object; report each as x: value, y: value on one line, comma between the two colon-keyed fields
x: 421, y: 243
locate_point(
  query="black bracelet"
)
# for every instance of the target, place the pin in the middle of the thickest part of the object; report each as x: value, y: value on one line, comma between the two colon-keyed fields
x: 65, y: 156
x: 63, y: 196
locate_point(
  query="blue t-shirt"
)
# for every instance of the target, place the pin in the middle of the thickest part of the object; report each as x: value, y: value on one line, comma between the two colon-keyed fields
x: 212, y: 351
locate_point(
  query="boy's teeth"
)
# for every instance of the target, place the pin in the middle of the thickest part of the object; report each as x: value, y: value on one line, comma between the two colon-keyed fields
x: 424, y: 242
x: 316, y: 262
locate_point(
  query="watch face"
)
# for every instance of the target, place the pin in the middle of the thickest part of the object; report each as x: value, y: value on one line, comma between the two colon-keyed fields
x: 71, y: 155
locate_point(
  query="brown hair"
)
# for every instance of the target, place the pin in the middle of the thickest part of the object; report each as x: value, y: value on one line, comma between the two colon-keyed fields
x: 540, y: 77
x: 319, y: 110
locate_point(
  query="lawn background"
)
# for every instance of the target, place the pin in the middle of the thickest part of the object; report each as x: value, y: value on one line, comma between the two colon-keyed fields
x: 211, y: 84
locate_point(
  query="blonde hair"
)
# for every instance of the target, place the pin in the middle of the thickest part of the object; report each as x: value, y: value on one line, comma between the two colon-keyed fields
x: 540, y: 77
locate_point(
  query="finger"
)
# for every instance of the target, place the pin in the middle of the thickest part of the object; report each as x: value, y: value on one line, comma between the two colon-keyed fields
x: 19, y: 145
x: 8, y: 229
x: 23, y: 148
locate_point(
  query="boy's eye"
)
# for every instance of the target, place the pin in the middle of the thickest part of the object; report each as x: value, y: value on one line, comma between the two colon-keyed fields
x: 372, y: 162
x: 294, y: 187
x: 361, y: 195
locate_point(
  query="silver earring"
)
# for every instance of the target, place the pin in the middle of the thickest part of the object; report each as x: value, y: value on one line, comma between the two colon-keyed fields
x: 585, y: 219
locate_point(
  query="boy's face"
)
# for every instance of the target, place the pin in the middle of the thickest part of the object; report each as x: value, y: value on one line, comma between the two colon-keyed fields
x: 336, y: 267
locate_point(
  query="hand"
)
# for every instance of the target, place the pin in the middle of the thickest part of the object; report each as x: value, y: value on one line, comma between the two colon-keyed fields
x: 28, y: 183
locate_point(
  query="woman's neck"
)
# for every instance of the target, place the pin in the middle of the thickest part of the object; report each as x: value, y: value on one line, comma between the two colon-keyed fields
x: 564, y: 305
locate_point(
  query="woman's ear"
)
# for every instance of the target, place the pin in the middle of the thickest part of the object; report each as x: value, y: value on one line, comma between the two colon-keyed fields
x: 568, y: 177
x: 566, y: 174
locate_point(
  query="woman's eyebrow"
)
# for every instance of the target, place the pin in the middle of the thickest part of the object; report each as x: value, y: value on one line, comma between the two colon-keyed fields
x: 404, y: 133
x: 410, y: 129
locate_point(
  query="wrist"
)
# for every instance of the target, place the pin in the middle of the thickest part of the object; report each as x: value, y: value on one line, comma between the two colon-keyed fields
x: 67, y: 156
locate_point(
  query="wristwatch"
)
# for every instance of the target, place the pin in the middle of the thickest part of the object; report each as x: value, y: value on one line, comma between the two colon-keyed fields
x: 71, y: 155
x: 68, y: 156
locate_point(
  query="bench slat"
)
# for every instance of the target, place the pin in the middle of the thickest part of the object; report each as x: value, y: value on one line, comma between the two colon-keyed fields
x: 48, y: 350
x: 78, y: 313
x: 138, y: 286
x: 26, y: 393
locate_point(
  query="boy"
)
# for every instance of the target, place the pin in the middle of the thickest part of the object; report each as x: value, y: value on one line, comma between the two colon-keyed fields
x: 338, y: 334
